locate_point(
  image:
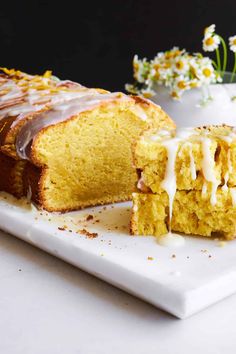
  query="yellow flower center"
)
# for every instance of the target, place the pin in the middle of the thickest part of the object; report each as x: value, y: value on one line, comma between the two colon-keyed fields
x: 166, y: 65
x: 156, y: 66
x: 136, y: 67
x: 181, y: 85
x: 169, y: 55
x: 209, y: 41
x: 234, y: 41
x: 179, y: 65
x: 174, y: 94
x: 206, y: 72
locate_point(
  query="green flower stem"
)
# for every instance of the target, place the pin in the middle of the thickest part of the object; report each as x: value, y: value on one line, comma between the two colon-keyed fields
x: 214, y: 63
x: 234, y: 69
x: 225, y: 53
x: 218, y: 59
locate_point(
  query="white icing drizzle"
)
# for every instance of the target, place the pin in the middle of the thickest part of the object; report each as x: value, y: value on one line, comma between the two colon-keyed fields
x: 171, y: 240
x: 33, y: 98
x: 36, y: 100
x: 55, y: 99
x: 169, y: 182
x: 233, y: 195
x: 226, y: 176
x: 172, y: 146
x: 208, y: 168
x: 204, y: 189
x: 14, y: 91
x: 192, y: 163
x: 160, y: 135
x: 59, y: 113
x: 138, y: 111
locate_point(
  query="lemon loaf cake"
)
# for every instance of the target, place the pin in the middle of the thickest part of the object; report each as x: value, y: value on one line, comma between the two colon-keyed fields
x: 66, y: 146
x: 186, y: 182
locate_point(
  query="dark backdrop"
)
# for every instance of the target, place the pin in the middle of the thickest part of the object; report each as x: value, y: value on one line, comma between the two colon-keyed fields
x: 93, y: 42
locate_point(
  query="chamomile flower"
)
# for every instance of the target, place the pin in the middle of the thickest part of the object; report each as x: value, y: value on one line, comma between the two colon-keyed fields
x: 209, y: 30
x: 173, y: 53
x: 194, y: 83
x: 182, y: 83
x: 211, y: 43
x: 179, y: 70
x: 232, y: 43
x: 181, y: 65
x: 132, y: 89
x: 206, y: 74
x: 141, y: 69
x: 147, y: 92
x: 175, y: 94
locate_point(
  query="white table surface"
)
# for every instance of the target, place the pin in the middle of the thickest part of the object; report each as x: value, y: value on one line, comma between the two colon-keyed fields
x: 50, y: 307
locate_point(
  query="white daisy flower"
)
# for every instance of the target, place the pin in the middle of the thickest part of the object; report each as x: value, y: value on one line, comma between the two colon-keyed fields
x: 232, y: 43
x: 160, y: 71
x: 181, y: 83
x: 194, y: 83
x: 211, y: 43
x: 147, y: 92
x: 159, y: 56
x: 131, y: 89
x: 175, y: 94
x: 206, y: 74
x: 141, y: 69
x: 209, y: 30
x: 181, y: 65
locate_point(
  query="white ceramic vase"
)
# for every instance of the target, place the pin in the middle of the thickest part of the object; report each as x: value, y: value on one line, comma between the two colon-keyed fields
x: 190, y: 112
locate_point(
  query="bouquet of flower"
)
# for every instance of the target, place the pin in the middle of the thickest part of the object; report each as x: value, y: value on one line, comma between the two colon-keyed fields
x: 180, y: 71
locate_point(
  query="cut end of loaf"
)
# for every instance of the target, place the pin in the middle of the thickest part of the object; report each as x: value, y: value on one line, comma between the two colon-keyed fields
x: 87, y: 160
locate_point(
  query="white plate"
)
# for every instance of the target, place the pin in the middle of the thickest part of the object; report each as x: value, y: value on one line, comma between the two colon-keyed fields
x: 181, y: 281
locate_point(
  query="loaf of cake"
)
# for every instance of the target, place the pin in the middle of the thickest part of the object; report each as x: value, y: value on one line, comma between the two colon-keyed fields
x: 65, y: 146
x: 187, y: 182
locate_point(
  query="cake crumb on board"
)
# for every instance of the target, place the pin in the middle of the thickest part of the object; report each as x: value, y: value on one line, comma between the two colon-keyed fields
x: 87, y: 233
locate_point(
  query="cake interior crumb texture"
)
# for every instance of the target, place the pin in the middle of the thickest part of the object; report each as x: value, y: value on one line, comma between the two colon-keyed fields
x: 91, y: 163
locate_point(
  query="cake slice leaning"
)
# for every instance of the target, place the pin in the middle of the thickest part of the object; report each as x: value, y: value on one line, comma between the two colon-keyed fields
x: 77, y: 152
x: 186, y: 182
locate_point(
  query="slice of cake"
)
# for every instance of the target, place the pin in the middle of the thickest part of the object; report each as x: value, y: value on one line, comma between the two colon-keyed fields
x: 73, y: 144
x: 186, y: 182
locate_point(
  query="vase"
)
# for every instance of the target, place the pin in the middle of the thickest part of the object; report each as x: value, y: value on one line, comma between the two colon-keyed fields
x: 213, y: 104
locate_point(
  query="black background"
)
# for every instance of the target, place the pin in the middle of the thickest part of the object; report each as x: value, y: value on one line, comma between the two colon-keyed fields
x: 93, y: 42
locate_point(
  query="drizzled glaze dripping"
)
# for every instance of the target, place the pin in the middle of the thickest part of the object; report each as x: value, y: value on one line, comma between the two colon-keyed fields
x: 226, y: 176
x: 171, y: 144
x: 169, y: 182
x: 172, y: 147
x: 233, y: 196
x: 171, y: 240
x: 208, y: 166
